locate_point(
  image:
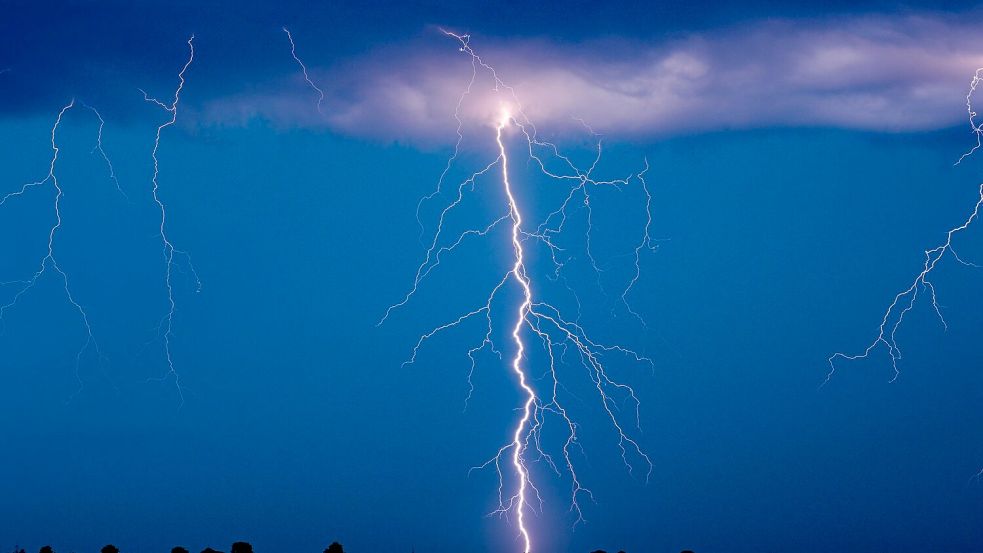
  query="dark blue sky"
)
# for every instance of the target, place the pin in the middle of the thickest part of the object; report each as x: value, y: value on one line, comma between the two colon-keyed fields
x: 784, y: 243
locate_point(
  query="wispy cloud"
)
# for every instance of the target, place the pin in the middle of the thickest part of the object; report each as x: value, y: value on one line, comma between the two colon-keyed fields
x: 876, y: 72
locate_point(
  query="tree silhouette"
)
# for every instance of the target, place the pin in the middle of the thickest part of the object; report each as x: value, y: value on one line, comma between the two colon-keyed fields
x: 242, y: 547
x: 335, y: 548
x: 46, y: 549
x: 109, y: 548
x: 209, y: 550
x: 179, y: 550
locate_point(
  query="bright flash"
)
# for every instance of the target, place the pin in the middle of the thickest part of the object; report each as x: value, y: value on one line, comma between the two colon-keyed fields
x: 504, y: 117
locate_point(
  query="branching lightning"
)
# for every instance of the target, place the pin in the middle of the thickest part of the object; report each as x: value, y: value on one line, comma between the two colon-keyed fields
x: 532, y: 317
x: 50, y: 259
x: 905, y: 300
x: 169, y: 251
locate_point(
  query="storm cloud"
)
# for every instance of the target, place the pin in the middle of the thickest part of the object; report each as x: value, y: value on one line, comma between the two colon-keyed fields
x: 877, y: 73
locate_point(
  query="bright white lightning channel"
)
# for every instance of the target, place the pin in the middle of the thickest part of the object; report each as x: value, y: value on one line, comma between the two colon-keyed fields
x: 905, y: 300
x: 532, y: 316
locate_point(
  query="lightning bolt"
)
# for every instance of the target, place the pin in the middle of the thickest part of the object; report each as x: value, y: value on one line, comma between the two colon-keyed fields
x: 169, y: 251
x: 533, y: 317
x: 525, y: 308
x: 303, y: 68
x: 98, y: 148
x: 922, y: 285
x: 50, y: 259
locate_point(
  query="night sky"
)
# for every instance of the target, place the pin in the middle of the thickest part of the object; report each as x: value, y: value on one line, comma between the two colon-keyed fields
x: 801, y: 161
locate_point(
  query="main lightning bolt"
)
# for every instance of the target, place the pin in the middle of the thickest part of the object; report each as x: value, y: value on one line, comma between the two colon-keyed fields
x: 167, y: 323
x: 905, y: 300
x: 519, y: 272
x: 534, y: 316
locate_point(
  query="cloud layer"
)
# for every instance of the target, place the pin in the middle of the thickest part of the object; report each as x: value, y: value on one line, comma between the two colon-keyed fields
x: 879, y: 73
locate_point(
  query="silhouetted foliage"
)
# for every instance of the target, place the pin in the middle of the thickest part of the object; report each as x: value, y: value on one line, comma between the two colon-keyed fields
x: 109, y: 548
x: 242, y: 547
x: 686, y: 551
x: 599, y: 551
x: 46, y: 549
x: 209, y: 550
x: 19, y: 549
x: 335, y: 548
x: 179, y: 549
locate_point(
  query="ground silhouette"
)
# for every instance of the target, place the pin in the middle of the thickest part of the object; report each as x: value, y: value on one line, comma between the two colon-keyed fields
x: 237, y: 547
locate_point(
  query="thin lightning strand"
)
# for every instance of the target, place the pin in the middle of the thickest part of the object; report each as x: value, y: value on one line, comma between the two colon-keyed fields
x: 557, y: 334
x: 977, y: 128
x: 905, y: 300
x: 303, y: 68
x: 457, y: 147
x: 102, y: 152
x: 168, y: 247
x: 50, y: 259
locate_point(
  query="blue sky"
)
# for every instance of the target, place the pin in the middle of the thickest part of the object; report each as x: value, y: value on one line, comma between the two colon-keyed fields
x: 784, y: 234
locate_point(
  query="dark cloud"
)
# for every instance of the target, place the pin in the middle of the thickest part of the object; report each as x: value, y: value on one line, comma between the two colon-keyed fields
x: 372, y: 55
x: 879, y: 73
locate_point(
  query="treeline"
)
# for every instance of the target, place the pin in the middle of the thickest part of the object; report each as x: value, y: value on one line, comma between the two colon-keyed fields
x: 603, y: 551
x: 237, y: 547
